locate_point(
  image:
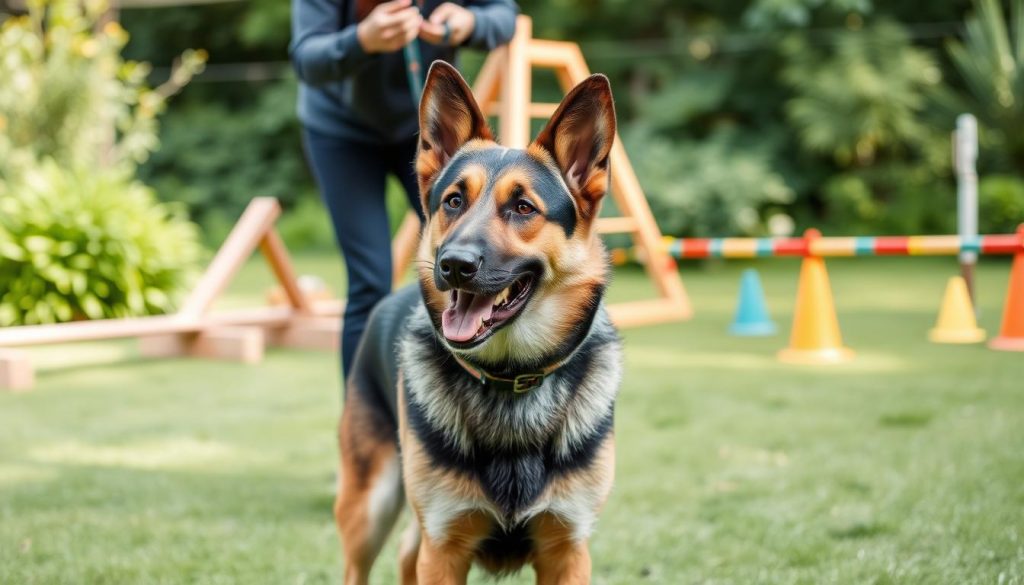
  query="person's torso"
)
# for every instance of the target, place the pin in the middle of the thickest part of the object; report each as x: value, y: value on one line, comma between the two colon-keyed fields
x: 374, y: 103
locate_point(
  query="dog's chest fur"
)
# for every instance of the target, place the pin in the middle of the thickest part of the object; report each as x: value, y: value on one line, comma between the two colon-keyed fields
x: 514, y: 445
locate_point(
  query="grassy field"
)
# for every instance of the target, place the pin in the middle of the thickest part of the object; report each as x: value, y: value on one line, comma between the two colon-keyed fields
x: 906, y: 466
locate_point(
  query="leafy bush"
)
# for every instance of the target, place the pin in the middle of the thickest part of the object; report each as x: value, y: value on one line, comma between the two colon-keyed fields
x: 91, y: 244
x: 713, y: 187
x: 1000, y: 204
x: 893, y: 198
x: 79, y: 238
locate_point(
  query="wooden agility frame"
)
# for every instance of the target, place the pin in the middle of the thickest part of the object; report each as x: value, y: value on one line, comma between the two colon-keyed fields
x: 239, y: 335
x: 503, y: 88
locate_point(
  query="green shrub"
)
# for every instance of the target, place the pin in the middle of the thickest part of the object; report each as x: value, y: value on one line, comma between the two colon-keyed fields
x: 79, y: 237
x: 893, y: 198
x: 1000, y: 204
x: 95, y: 244
x: 714, y: 187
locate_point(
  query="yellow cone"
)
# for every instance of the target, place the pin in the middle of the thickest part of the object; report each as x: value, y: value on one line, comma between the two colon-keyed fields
x: 815, y: 338
x: 956, y: 322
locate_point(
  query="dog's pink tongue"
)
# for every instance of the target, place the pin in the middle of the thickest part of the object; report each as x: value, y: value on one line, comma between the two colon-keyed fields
x: 461, y: 321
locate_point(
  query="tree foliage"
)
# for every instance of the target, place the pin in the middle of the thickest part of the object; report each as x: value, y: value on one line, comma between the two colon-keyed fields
x: 833, y: 112
x: 990, y: 58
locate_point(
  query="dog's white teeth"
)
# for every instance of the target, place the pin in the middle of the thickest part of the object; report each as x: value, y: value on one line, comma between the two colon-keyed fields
x: 501, y: 297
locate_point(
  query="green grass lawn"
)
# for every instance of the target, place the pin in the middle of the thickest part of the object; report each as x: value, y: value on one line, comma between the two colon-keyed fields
x: 905, y: 466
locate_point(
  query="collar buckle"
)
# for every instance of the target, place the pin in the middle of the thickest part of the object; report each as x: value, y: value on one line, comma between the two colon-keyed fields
x: 526, y: 382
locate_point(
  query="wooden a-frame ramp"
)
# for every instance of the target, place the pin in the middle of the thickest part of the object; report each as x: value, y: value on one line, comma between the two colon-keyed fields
x: 239, y: 335
x: 503, y: 88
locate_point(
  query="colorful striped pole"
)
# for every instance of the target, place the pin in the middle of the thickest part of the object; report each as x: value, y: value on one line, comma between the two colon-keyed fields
x: 694, y: 248
x: 815, y: 337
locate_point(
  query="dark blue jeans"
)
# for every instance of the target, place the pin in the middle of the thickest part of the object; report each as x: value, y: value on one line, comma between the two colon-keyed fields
x: 352, y: 178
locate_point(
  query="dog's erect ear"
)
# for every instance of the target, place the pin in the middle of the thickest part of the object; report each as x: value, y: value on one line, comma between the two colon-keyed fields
x: 449, y: 118
x: 579, y: 136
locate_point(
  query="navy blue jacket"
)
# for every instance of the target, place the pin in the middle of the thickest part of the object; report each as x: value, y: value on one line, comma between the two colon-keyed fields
x: 346, y: 92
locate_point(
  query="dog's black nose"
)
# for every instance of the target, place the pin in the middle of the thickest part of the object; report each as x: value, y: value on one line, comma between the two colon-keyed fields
x: 458, y: 266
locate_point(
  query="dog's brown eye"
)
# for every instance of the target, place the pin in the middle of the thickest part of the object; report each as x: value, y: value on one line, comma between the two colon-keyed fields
x: 454, y: 201
x: 524, y: 208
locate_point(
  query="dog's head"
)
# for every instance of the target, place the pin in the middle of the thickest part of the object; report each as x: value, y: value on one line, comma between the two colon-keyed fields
x: 509, y: 263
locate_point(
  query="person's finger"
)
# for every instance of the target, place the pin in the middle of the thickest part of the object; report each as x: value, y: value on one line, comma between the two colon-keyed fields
x: 443, y: 12
x: 393, y: 5
x: 429, y: 38
x: 411, y: 30
x: 400, y: 17
x: 432, y: 29
x: 411, y: 34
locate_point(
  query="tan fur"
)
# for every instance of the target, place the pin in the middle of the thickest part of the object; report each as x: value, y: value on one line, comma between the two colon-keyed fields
x: 560, y: 558
x: 447, y: 561
x: 362, y: 462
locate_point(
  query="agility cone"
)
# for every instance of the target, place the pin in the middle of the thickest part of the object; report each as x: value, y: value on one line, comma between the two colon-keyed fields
x: 815, y: 338
x: 752, y: 318
x: 956, y: 322
x: 1011, y: 334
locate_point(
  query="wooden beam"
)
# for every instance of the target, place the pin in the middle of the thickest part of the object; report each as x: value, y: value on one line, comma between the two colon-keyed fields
x: 309, y: 333
x: 29, y: 335
x: 403, y: 247
x: 550, y: 54
x: 487, y: 85
x: 93, y: 330
x: 277, y: 255
x: 247, y: 234
x: 235, y: 343
x: 516, y: 88
x: 16, y: 372
x: 616, y: 225
x: 648, y: 312
x: 535, y: 110
x: 630, y: 199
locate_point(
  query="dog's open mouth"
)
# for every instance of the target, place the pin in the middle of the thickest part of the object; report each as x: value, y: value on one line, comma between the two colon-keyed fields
x: 472, y: 316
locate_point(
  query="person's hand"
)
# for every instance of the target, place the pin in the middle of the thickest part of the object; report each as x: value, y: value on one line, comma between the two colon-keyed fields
x: 460, y: 23
x: 389, y: 27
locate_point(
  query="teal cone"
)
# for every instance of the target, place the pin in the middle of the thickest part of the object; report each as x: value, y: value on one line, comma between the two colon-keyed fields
x: 752, y: 312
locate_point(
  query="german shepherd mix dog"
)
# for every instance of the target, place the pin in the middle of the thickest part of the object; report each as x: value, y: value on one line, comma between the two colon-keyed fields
x: 486, y: 397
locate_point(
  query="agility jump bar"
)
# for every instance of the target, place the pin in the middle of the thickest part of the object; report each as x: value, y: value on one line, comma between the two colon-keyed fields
x: 813, y: 245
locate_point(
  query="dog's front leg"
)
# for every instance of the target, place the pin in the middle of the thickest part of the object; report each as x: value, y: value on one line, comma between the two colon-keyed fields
x: 446, y: 560
x: 561, y: 558
x: 569, y: 566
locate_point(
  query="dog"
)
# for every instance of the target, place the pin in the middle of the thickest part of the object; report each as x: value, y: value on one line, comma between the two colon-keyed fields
x: 485, y: 396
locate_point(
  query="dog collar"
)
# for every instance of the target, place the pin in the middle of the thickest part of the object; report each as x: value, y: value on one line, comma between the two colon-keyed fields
x: 521, y: 384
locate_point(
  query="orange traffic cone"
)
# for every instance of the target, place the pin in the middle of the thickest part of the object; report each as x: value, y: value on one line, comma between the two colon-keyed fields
x: 1011, y: 334
x: 956, y: 322
x: 815, y: 338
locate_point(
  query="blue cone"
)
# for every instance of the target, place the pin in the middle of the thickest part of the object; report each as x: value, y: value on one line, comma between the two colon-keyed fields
x: 751, y: 312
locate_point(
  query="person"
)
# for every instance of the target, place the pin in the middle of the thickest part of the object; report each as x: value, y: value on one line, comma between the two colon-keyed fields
x: 360, y: 119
